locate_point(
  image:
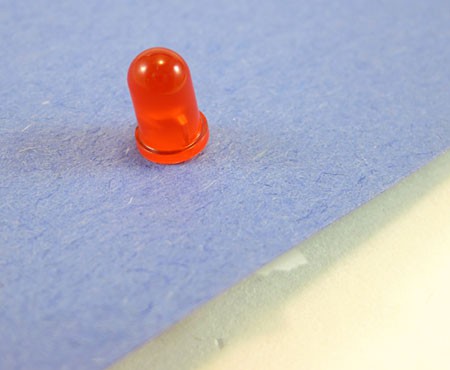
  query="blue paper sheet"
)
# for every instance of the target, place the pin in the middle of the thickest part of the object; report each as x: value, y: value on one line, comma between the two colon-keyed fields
x: 314, y: 108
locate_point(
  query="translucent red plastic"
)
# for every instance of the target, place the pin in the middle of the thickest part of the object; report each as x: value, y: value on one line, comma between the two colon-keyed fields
x: 170, y: 127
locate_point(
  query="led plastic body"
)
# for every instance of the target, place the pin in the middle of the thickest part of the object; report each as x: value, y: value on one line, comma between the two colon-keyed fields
x: 170, y: 127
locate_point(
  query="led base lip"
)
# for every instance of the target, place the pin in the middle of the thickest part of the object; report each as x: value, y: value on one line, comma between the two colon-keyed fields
x: 179, y: 156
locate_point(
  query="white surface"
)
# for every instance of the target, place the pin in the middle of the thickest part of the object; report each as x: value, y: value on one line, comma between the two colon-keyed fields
x: 369, y: 292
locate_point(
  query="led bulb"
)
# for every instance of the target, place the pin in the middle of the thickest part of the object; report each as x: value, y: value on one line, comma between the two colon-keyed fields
x: 170, y: 127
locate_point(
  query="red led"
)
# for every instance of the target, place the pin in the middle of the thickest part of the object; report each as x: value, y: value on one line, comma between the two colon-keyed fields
x: 170, y: 127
